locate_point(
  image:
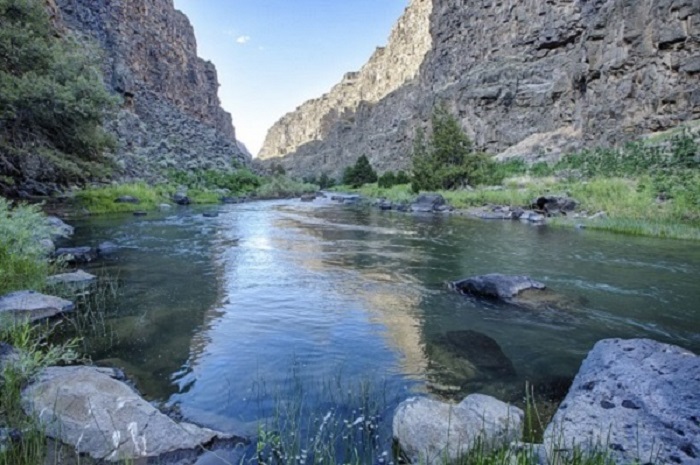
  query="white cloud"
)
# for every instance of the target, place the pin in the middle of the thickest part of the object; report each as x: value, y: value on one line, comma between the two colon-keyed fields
x: 243, y: 39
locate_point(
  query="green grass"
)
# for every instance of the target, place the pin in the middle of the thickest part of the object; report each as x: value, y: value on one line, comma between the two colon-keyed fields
x: 23, y: 261
x: 99, y: 200
x: 278, y: 187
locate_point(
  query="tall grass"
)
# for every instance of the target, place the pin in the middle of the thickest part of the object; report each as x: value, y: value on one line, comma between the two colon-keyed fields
x: 99, y: 200
x: 23, y: 263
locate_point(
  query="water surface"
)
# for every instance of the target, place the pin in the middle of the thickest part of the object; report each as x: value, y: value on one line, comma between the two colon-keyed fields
x: 222, y: 317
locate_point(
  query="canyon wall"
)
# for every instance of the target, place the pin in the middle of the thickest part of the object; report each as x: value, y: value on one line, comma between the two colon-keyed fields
x: 526, y: 78
x: 171, y: 116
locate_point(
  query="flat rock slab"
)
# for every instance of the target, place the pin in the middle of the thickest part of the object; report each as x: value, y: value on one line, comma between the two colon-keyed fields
x: 430, y: 431
x: 33, y: 306
x: 77, y: 278
x: 638, y: 399
x: 497, y: 286
x: 91, y: 410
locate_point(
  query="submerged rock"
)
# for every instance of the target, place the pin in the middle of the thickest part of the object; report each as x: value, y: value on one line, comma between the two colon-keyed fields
x: 74, y: 255
x: 431, y: 432
x: 482, y: 351
x: 107, y: 248
x: 497, y: 286
x: 33, y: 306
x: 637, y: 399
x: 210, y: 214
x: 99, y: 415
x: 308, y: 197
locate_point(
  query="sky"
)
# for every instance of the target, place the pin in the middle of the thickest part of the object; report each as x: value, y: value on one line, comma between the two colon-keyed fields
x: 272, y: 55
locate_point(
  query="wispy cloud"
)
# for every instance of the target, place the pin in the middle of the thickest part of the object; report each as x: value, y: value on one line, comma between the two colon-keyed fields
x: 243, y: 39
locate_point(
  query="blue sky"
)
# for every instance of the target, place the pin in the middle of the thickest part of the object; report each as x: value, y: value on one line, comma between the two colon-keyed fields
x: 272, y: 55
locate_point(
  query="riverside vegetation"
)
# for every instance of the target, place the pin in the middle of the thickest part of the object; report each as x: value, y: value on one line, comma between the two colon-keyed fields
x: 648, y: 187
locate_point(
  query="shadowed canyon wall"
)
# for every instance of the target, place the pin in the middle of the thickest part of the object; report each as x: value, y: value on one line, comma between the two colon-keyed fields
x: 171, y: 117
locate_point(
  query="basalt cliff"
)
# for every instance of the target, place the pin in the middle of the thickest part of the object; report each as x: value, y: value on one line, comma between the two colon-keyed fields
x: 526, y: 78
x: 170, y: 117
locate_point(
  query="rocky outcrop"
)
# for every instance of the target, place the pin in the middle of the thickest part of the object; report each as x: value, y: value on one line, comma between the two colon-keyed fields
x: 637, y: 399
x: 432, y: 432
x: 92, y: 410
x: 497, y: 286
x: 526, y: 79
x: 171, y: 115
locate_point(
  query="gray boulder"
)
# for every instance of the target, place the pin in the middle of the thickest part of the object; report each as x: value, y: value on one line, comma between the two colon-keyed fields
x: 99, y: 415
x: 308, y: 197
x: 74, y: 255
x: 32, y: 306
x: 428, y: 203
x: 59, y: 229
x: 497, y: 286
x: 554, y: 205
x: 431, y: 432
x: 637, y: 399
x: 127, y: 199
x: 78, y: 278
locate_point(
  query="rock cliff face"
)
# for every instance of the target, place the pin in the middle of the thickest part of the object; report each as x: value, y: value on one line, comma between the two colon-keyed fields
x: 171, y: 115
x: 526, y: 78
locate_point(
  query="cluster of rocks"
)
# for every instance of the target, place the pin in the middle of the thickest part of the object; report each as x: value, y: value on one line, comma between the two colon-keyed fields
x: 634, y: 400
x: 95, y: 410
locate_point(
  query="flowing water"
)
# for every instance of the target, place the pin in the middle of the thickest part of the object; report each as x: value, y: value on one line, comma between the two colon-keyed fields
x: 221, y: 316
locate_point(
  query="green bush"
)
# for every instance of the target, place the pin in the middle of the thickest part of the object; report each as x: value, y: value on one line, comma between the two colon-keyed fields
x: 23, y: 263
x: 278, y: 187
x: 446, y: 160
x: 52, y: 101
x: 359, y: 174
x: 325, y: 181
x: 239, y: 182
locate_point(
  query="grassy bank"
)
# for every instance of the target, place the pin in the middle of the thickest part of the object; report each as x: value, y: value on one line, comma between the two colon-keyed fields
x: 649, y: 188
x: 204, y: 187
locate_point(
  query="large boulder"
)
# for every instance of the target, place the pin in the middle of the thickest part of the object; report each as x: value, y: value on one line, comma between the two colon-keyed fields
x: 181, y: 198
x: 497, y: 286
x: 431, y: 432
x: 637, y: 399
x: 553, y: 205
x: 92, y: 410
x: 428, y: 203
x: 33, y: 306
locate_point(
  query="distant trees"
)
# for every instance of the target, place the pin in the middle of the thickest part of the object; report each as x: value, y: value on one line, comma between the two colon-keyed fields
x: 359, y: 174
x: 446, y: 160
x: 389, y: 179
x: 52, y: 99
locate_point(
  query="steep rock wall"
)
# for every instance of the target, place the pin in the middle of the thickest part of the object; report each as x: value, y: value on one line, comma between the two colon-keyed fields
x: 171, y: 115
x: 530, y: 79
x: 388, y: 69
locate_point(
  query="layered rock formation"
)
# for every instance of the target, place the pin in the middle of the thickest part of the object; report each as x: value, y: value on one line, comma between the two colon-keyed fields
x: 525, y: 78
x: 388, y: 69
x: 171, y: 115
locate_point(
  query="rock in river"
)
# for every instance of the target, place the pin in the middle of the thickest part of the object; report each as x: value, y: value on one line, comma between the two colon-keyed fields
x: 75, y: 255
x: 497, y: 286
x: 638, y: 399
x: 78, y: 278
x: 32, y: 305
x: 59, y: 229
x: 428, y: 203
x: 91, y: 410
x: 429, y: 431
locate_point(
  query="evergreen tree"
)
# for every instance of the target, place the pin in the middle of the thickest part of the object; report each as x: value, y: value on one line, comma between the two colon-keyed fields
x: 446, y: 160
x: 360, y: 174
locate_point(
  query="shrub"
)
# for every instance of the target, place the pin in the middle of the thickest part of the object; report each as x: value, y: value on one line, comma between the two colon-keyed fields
x: 239, y: 182
x: 52, y: 101
x: 446, y: 160
x: 23, y: 262
x: 325, y: 181
x: 359, y: 174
